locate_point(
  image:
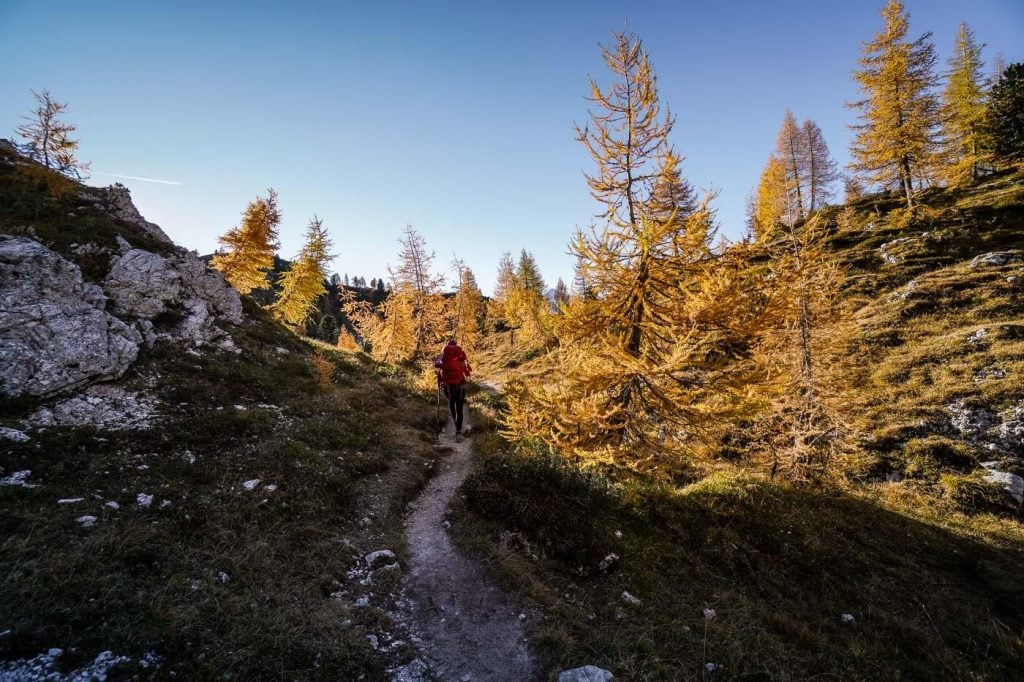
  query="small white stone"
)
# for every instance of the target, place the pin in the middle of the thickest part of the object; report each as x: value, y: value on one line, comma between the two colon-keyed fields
x: 70, y: 500
x: 847, y: 618
x: 270, y: 487
x: 363, y: 601
x: 618, y: 535
x: 143, y: 500
x: 86, y: 521
x: 223, y: 577
x: 251, y: 485
x: 630, y: 599
x: 710, y: 614
x: 112, y: 505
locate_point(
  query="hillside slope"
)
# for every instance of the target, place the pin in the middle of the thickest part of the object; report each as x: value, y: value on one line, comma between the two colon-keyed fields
x: 206, y: 509
x: 908, y: 570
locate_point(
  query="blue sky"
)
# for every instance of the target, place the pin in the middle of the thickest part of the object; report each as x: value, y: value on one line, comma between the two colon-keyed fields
x: 454, y: 116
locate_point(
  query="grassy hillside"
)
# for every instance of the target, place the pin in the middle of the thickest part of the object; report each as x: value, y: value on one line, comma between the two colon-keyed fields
x: 920, y: 554
x: 225, y: 535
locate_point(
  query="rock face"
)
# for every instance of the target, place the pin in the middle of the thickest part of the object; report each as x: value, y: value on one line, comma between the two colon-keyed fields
x: 144, y: 285
x: 103, y: 407
x: 119, y: 204
x: 55, y: 334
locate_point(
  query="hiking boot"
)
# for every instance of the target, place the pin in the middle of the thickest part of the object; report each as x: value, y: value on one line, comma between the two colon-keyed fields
x: 458, y: 436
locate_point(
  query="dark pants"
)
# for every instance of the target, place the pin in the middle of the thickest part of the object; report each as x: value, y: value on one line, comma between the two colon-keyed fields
x: 456, y: 399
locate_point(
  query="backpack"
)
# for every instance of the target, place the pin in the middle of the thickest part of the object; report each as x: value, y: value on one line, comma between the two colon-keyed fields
x: 452, y: 367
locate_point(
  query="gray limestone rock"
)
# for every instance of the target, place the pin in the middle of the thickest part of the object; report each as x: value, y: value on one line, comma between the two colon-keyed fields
x: 142, y: 284
x: 119, y: 204
x: 587, y: 673
x: 55, y: 334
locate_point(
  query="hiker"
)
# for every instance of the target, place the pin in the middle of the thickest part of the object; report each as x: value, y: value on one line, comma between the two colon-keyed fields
x: 453, y: 371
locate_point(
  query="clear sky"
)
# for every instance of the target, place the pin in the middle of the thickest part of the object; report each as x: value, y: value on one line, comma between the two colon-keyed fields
x: 454, y: 116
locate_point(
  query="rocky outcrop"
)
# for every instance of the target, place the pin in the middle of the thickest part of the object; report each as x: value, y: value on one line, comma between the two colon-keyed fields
x: 55, y: 333
x: 103, y: 407
x: 118, y: 203
x: 145, y: 285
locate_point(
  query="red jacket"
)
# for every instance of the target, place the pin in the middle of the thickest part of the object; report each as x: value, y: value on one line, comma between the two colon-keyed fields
x: 454, y: 365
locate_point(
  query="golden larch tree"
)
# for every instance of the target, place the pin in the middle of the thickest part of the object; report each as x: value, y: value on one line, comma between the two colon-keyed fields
x: 305, y: 282
x: 963, y: 112
x: 652, y: 356
x: 48, y: 138
x: 896, y: 141
x: 821, y: 173
x: 768, y: 208
x: 802, y: 434
x: 791, y: 150
x: 250, y: 247
x: 467, y: 308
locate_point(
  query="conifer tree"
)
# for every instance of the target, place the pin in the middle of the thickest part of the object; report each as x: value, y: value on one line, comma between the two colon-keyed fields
x: 48, y: 138
x: 561, y: 293
x: 251, y: 245
x: 803, y: 432
x: 769, y: 208
x: 467, y: 307
x: 896, y: 141
x: 1005, y: 121
x: 821, y: 172
x: 792, y: 152
x: 963, y: 112
x: 303, y: 284
x: 506, y: 284
x: 643, y: 358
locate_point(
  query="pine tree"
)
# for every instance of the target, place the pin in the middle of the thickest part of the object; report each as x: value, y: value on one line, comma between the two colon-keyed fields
x: 963, y: 112
x: 251, y: 246
x: 528, y: 273
x: 48, y: 138
x: 896, y: 142
x: 303, y: 284
x: 1005, y: 121
x: 821, y: 168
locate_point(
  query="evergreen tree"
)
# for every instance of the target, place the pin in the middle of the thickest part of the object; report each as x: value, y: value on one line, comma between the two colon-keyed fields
x: 528, y: 273
x: 48, y: 138
x: 963, y: 112
x: 380, y: 284
x: 303, y: 284
x: 896, y: 142
x: 251, y: 246
x: 1005, y: 121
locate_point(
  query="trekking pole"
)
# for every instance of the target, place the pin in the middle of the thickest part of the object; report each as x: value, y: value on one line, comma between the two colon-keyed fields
x: 440, y: 426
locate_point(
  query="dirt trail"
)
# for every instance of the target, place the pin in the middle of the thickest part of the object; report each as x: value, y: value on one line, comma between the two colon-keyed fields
x: 470, y: 628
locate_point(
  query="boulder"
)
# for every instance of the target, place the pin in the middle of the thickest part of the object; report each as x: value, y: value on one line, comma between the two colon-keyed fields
x: 1012, y: 483
x: 587, y: 673
x: 1011, y: 429
x: 142, y: 284
x: 996, y: 258
x: 55, y: 334
x: 971, y: 422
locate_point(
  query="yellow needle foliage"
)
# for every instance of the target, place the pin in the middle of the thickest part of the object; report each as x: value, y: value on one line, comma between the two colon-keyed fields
x: 896, y: 142
x: 658, y: 356
x: 963, y: 113
x: 251, y: 245
x: 467, y: 309
x: 304, y: 283
x: 803, y: 434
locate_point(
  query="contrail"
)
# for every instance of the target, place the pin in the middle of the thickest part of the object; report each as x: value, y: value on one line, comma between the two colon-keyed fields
x: 135, y: 177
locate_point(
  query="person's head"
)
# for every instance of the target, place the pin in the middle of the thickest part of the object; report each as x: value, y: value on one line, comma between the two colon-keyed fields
x: 451, y: 341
